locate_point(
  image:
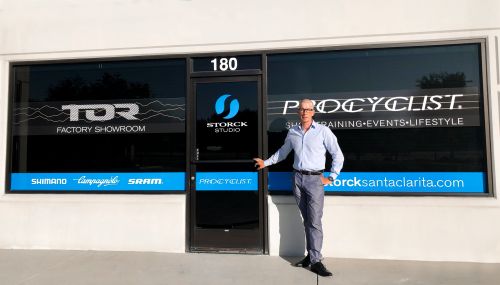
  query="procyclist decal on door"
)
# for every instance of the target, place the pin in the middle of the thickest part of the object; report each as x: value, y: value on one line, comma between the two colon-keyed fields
x: 226, y: 181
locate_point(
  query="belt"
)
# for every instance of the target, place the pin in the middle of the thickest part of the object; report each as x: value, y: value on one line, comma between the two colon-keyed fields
x: 305, y: 172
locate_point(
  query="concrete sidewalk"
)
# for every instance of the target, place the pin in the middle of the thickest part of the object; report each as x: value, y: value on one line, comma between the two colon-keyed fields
x: 51, y: 267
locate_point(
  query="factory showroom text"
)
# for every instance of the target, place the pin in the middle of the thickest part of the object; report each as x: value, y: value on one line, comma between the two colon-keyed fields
x: 101, y: 129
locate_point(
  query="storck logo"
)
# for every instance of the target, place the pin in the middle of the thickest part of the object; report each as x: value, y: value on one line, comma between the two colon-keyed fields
x: 234, y: 106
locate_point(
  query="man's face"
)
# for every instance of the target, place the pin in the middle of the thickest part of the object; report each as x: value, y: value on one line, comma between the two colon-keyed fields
x: 306, y: 112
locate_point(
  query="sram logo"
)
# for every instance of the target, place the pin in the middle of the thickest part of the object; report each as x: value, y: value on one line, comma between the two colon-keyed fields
x: 102, y: 112
x: 145, y: 181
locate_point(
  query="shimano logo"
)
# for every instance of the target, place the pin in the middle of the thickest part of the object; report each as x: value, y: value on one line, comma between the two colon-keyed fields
x: 49, y: 181
x: 126, y: 111
x: 234, y: 106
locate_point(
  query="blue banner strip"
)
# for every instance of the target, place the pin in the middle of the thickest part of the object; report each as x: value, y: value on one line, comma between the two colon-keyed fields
x: 393, y: 182
x: 137, y: 181
x: 363, y: 182
x: 227, y: 181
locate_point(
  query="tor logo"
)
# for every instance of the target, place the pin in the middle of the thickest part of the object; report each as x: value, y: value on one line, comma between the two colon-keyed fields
x: 234, y: 106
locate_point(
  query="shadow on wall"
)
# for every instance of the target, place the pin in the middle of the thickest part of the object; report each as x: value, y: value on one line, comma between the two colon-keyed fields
x: 291, y: 231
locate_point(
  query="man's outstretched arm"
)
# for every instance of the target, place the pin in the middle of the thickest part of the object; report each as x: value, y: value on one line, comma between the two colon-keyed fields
x: 278, y: 156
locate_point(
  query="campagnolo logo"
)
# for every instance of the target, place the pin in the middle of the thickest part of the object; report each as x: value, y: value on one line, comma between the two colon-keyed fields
x: 220, y: 109
x: 113, y: 180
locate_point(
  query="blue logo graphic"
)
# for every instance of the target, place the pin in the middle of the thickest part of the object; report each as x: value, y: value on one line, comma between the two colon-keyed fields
x: 393, y: 182
x: 234, y: 106
x: 102, y: 182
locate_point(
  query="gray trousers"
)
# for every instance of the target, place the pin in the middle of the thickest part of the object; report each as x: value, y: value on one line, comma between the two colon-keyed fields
x: 309, y: 194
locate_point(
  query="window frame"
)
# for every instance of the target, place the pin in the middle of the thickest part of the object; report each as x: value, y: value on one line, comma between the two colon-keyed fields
x: 264, y: 53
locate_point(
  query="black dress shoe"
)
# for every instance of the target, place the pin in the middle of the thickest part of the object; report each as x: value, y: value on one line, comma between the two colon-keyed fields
x: 320, y: 269
x: 304, y: 262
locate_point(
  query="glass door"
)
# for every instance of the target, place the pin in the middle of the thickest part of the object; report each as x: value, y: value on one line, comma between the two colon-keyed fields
x: 225, y: 197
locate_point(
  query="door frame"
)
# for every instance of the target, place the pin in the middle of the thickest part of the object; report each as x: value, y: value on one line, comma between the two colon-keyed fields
x: 191, y: 160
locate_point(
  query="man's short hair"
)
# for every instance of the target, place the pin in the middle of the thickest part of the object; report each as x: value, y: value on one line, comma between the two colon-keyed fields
x: 307, y: 100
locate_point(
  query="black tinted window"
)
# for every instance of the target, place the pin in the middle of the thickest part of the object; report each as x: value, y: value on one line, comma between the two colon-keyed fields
x: 407, y: 109
x: 123, y: 116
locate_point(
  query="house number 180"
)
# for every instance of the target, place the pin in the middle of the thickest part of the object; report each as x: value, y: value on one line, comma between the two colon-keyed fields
x: 224, y: 63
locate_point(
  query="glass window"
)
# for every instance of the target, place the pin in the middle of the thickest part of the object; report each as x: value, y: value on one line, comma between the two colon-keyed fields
x: 226, y: 120
x: 99, y: 126
x: 408, y: 119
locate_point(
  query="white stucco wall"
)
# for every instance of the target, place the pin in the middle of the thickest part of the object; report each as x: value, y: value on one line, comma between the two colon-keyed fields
x: 417, y: 228
x: 423, y: 228
x: 93, y: 222
x: 31, y: 26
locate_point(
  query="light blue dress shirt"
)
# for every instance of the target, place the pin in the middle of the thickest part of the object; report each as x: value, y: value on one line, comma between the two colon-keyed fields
x: 310, y: 149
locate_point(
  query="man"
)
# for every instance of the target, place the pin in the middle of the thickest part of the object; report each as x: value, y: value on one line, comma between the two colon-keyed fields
x: 310, y: 141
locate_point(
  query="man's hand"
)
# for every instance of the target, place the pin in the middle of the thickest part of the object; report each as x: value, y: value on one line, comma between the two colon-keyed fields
x: 259, y: 163
x: 325, y: 181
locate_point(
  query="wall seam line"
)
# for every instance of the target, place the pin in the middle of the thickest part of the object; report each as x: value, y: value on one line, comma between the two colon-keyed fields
x: 497, y: 59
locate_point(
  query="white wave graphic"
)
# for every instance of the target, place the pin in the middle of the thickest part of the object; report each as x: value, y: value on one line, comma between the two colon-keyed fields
x: 64, y: 113
x: 164, y: 115
x: 41, y: 114
x: 159, y: 102
x: 33, y: 109
x: 49, y: 117
x: 46, y: 119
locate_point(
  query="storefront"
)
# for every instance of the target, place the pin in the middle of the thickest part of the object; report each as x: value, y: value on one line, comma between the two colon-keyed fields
x: 411, y: 120
x: 132, y: 125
